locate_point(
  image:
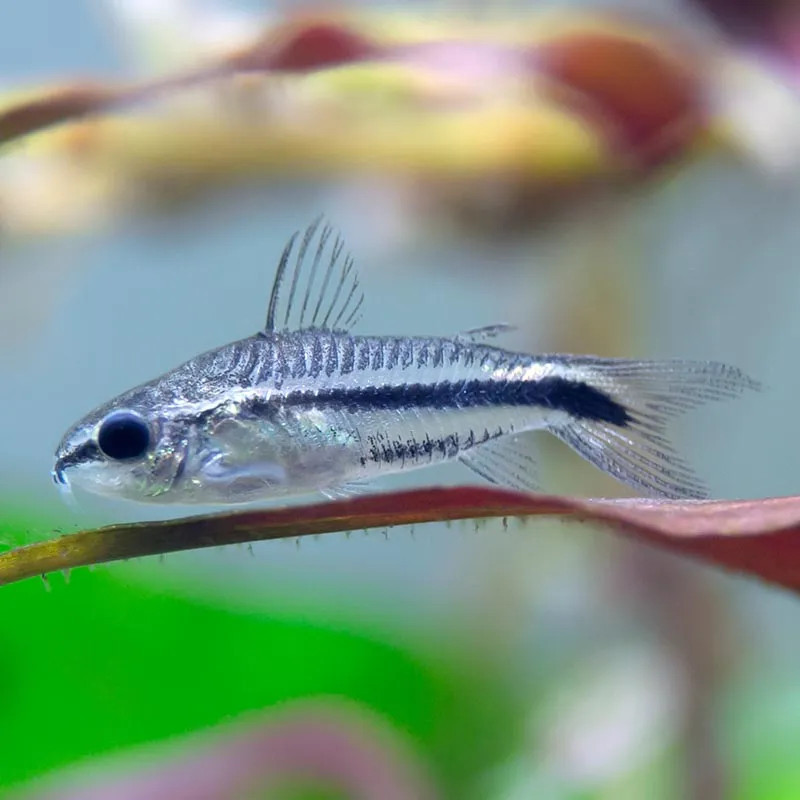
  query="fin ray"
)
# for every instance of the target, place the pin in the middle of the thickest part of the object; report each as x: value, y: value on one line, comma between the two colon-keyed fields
x: 485, y: 333
x: 323, y: 240
x: 505, y: 462
x: 332, y: 302
x: 345, y: 491
x: 637, y: 451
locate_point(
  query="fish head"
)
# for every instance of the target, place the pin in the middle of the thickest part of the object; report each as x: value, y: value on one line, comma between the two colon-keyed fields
x: 123, y: 449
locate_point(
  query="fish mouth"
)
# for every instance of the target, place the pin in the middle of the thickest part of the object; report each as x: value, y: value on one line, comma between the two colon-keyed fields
x: 58, y: 476
x: 82, y: 454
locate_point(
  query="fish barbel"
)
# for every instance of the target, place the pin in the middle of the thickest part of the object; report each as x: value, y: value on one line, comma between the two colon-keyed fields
x: 304, y: 405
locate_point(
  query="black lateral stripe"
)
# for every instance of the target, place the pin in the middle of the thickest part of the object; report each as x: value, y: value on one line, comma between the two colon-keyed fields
x: 577, y: 398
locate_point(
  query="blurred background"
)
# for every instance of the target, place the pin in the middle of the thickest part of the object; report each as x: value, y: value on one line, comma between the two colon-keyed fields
x: 620, y: 179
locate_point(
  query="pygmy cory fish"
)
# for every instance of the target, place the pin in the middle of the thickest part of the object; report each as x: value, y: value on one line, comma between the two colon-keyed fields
x: 305, y: 405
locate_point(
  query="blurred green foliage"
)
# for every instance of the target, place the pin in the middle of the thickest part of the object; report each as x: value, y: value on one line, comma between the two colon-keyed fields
x: 104, y: 662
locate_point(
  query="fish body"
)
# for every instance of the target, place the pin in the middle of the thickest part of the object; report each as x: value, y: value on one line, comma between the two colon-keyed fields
x: 306, y: 406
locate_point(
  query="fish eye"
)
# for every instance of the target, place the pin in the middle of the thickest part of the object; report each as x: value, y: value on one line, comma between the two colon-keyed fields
x: 123, y: 435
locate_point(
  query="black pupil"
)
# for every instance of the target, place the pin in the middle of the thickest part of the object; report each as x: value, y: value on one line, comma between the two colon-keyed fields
x: 123, y: 436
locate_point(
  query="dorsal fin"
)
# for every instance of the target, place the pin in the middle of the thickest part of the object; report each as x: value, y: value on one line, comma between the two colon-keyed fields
x: 326, y: 295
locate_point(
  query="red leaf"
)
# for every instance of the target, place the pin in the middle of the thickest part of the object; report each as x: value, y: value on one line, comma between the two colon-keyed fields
x: 649, y: 99
x: 315, y: 44
x: 756, y: 537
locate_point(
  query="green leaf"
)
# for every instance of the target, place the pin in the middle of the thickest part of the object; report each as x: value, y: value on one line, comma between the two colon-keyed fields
x: 97, y: 666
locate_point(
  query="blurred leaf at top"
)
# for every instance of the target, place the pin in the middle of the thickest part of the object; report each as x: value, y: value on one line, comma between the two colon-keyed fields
x: 518, y: 112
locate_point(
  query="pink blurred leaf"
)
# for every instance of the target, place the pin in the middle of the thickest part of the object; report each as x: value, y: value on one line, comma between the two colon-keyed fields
x: 770, y: 26
x: 317, y: 743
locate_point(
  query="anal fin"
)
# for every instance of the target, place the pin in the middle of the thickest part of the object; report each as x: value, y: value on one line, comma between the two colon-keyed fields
x: 505, y: 461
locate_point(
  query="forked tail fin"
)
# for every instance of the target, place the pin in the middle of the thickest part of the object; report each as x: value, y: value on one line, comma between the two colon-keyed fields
x: 635, y: 447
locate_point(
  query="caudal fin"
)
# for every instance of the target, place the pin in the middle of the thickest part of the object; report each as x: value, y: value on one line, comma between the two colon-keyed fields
x: 634, y: 446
